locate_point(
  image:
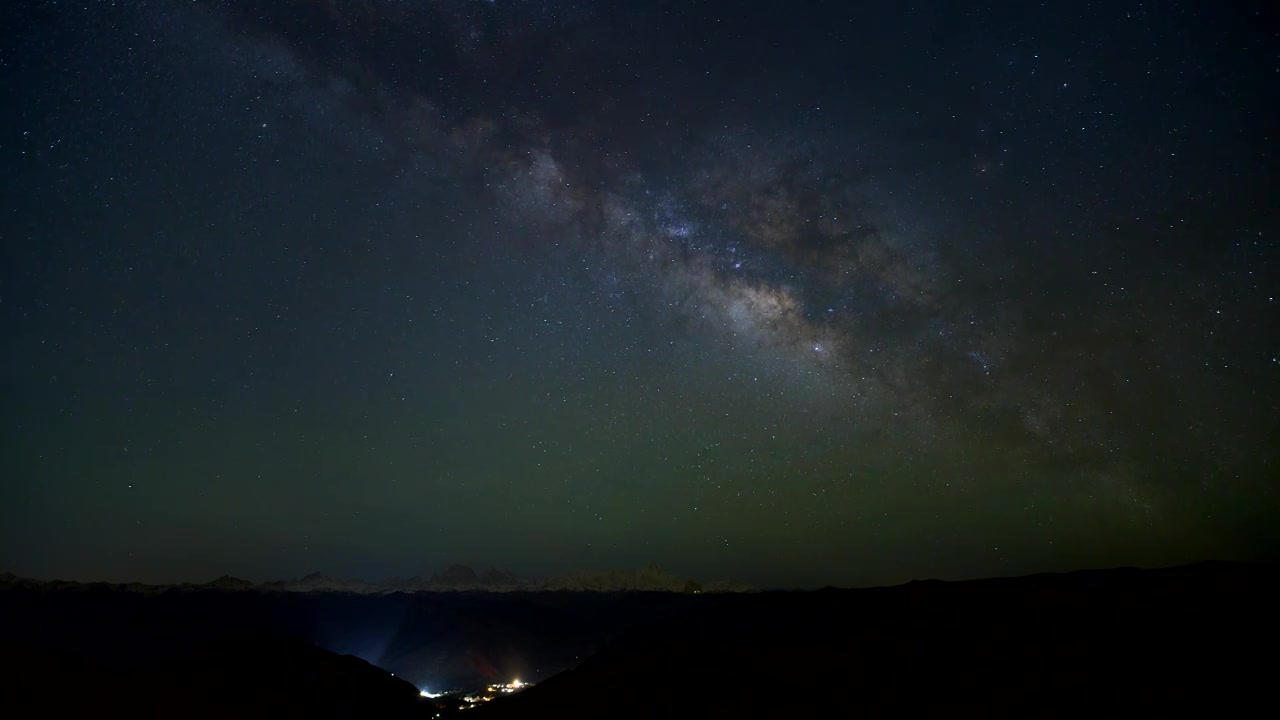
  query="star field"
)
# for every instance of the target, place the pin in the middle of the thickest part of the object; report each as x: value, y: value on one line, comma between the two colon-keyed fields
x: 831, y: 294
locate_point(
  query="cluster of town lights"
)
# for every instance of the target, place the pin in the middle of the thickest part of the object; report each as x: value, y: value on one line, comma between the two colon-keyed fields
x: 492, y: 691
x: 509, y: 687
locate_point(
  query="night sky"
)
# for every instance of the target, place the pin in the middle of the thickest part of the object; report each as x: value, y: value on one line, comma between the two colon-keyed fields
x: 798, y: 294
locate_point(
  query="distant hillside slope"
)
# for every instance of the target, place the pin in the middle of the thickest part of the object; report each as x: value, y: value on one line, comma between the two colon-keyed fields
x: 457, y: 578
x: 1197, y: 638
x: 240, y: 675
x: 434, y: 640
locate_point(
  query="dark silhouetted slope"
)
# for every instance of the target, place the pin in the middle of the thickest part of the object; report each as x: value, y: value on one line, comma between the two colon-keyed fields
x: 242, y: 675
x: 436, y: 640
x: 1092, y: 643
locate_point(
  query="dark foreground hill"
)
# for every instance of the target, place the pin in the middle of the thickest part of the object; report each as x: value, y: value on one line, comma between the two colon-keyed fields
x: 239, y: 675
x: 439, y: 641
x: 1194, y: 639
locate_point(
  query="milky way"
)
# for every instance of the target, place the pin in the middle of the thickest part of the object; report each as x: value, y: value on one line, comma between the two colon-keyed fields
x: 780, y: 243
x: 777, y: 244
x: 897, y: 309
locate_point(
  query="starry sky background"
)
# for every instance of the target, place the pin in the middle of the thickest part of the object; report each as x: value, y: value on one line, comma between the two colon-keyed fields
x: 799, y: 294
